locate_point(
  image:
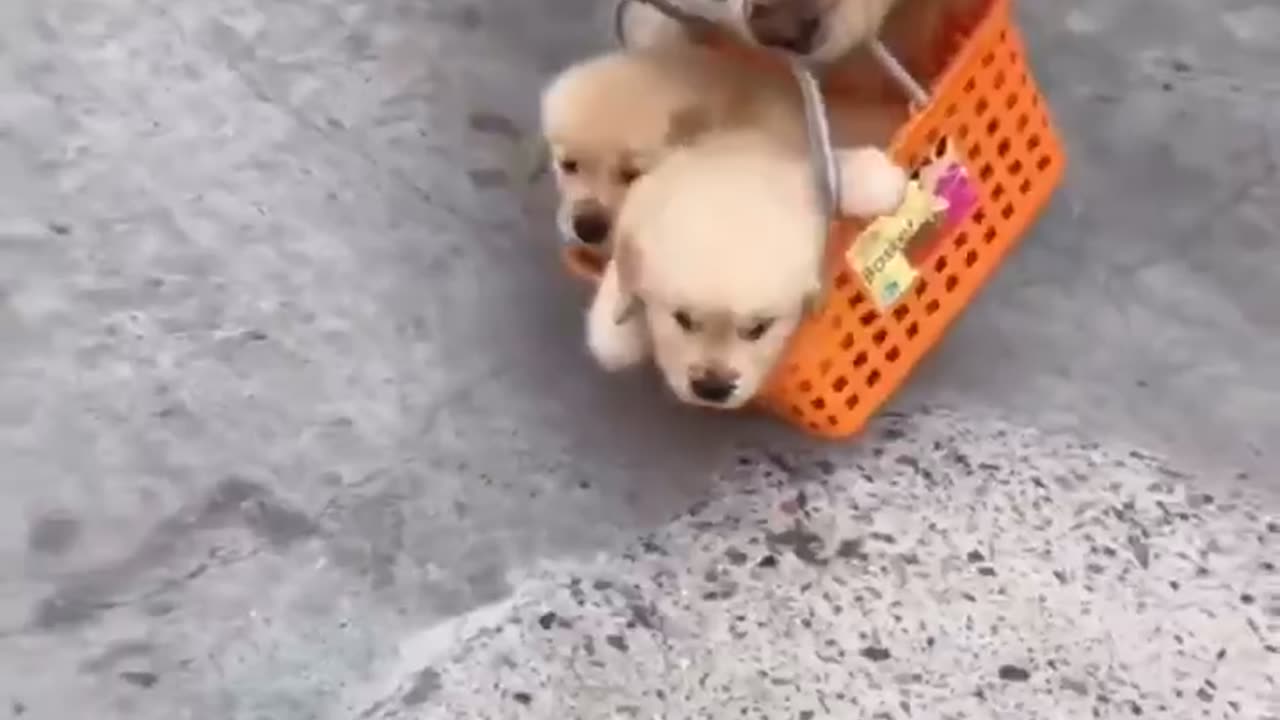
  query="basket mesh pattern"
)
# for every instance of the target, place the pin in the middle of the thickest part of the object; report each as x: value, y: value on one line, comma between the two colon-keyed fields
x: 850, y: 358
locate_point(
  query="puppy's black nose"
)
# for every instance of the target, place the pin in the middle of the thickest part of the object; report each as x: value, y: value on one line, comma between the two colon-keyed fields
x: 591, y: 228
x: 712, y: 389
x: 790, y: 25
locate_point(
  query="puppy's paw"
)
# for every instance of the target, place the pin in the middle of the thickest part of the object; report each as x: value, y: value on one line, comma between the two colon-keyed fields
x: 616, y: 346
x: 616, y: 335
x: 871, y: 183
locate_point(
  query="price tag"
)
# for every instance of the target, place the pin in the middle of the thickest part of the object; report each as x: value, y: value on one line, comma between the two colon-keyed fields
x: 879, y: 256
x: 940, y: 196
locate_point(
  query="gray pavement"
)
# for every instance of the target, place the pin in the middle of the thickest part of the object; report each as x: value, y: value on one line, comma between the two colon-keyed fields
x: 296, y: 423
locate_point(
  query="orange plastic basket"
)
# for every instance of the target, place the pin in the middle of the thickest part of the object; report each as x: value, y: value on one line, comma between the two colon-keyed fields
x: 846, y: 361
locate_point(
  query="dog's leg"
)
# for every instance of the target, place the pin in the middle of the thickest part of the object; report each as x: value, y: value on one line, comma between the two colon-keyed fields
x: 616, y: 335
x: 871, y: 183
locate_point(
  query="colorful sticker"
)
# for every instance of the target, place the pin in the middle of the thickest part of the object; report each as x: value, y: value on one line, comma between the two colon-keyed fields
x: 940, y: 196
x: 948, y: 178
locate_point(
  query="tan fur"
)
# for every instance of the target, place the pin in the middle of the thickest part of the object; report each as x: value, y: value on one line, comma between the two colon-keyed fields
x: 612, y: 118
x: 911, y: 29
x: 721, y: 240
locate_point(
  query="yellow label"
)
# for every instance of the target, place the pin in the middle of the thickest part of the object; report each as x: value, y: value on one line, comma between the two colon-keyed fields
x: 878, y: 255
x: 893, y: 281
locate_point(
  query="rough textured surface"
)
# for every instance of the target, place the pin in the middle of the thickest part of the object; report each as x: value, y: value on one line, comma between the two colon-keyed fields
x: 959, y: 568
x: 290, y: 381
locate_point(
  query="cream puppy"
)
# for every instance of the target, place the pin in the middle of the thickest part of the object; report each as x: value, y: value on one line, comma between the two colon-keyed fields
x: 610, y: 119
x: 719, y: 255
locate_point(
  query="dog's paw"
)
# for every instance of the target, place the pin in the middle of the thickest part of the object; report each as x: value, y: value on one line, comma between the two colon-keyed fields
x: 616, y: 334
x: 616, y: 345
x: 871, y: 183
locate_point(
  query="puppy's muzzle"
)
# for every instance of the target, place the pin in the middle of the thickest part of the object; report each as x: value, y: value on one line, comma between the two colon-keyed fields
x: 790, y: 25
x: 591, y: 223
x: 713, y: 388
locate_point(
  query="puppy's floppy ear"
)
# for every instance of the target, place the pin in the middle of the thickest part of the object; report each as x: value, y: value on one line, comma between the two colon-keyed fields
x: 687, y: 125
x: 626, y: 259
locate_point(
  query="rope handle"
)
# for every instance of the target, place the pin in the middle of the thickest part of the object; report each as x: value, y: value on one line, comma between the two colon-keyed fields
x: 822, y: 157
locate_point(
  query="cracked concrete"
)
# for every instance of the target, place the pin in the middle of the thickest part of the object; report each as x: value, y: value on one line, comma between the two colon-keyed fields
x: 296, y: 421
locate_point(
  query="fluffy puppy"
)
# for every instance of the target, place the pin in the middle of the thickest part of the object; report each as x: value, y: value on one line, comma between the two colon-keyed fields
x: 719, y: 255
x: 610, y: 119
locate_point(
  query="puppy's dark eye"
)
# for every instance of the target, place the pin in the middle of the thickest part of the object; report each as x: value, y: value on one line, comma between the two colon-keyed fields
x: 757, y: 331
x: 684, y: 321
x: 628, y: 175
x: 568, y: 166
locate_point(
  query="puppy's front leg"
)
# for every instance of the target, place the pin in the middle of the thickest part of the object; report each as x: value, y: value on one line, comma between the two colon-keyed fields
x: 616, y: 337
x: 871, y: 183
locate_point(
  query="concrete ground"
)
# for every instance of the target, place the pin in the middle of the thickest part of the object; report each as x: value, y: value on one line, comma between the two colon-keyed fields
x: 295, y: 420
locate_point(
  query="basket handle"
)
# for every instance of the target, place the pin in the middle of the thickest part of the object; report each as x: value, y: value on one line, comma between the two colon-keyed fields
x: 822, y: 156
x: 915, y: 92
